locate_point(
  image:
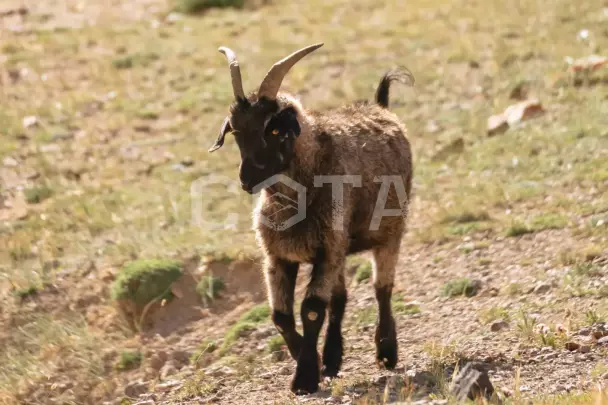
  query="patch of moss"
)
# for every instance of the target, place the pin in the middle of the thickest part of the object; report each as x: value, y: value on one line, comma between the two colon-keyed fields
x: 142, y: 281
x: 460, y: 287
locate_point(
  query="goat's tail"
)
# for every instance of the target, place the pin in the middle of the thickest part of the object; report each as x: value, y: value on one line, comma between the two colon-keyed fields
x: 401, y: 75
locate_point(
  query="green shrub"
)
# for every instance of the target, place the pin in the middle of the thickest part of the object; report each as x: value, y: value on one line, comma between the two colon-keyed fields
x: 129, y: 360
x: 142, y: 281
x: 275, y: 343
x: 37, y: 194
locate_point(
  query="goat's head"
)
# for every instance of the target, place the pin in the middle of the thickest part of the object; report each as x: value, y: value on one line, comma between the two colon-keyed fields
x: 265, y: 124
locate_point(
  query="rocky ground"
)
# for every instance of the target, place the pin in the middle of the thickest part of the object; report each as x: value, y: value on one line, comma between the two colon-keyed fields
x: 108, y: 108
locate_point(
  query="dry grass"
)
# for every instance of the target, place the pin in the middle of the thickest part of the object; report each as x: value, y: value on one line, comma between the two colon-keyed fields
x: 127, y: 102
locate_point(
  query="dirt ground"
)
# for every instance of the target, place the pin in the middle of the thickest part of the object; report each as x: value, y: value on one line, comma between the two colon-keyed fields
x: 107, y: 109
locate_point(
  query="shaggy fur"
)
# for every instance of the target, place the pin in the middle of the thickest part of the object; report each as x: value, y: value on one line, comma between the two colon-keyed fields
x: 362, y: 139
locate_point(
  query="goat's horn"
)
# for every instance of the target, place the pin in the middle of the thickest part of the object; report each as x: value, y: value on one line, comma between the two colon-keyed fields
x: 235, y: 72
x: 272, y: 82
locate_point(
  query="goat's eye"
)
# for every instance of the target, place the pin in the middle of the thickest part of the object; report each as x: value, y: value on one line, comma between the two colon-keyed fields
x: 275, y: 131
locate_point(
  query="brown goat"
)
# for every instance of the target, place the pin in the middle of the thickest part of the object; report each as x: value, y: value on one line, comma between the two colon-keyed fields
x: 276, y: 135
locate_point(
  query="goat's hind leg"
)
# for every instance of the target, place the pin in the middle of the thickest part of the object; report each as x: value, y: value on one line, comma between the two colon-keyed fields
x: 281, y: 283
x: 333, y: 349
x: 385, y: 260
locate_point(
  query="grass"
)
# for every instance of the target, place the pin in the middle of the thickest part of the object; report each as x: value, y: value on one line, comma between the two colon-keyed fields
x: 364, y: 272
x: 129, y: 360
x: 492, y: 314
x: 206, y: 347
x: 125, y: 207
x: 37, y: 194
x: 209, y: 288
x: 142, y: 281
x: 460, y: 287
x: 246, y: 323
x: 276, y: 343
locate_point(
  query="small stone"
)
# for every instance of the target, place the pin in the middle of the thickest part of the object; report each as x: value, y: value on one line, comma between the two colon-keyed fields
x: 603, y: 341
x: 10, y: 162
x: 586, y: 331
x: 584, y: 349
x: 187, y: 161
x: 169, y: 385
x: 542, y: 288
x: 572, y: 346
x: 499, y: 325
x: 497, y: 124
x: 168, y: 370
x: 135, y: 389
x: 523, y: 111
x: 29, y: 121
x: 472, y: 382
x: 286, y: 370
x: 146, y: 402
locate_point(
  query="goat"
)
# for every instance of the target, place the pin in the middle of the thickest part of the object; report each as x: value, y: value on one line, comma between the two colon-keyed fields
x: 276, y: 135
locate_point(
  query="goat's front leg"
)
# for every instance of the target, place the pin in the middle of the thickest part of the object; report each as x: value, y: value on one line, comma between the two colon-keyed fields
x: 324, y: 272
x: 281, y: 282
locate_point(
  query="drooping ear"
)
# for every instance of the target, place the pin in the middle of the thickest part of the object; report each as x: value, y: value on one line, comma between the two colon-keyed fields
x: 284, y: 123
x: 226, y: 127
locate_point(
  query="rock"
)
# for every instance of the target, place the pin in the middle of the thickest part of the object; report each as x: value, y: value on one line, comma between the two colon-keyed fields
x: 279, y: 355
x: 499, y: 325
x: 135, y: 389
x: 542, y: 288
x: 168, y: 370
x: 603, y: 341
x: 30, y: 121
x: 170, y: 385
x: 158, y: 359
x: 285, y: 370
x: 589, y: 63
x: 9, y: 162
x: 472, y: 382
x: 586, y: 331
x: 584, y: 349
x: 146, y: 402
x: 187, y: 161
x: 497, y: 124
x: 572, y: 346
x: 522, y: 111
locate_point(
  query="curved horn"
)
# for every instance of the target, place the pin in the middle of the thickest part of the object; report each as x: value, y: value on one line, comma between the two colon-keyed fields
x: 272, y: 82
x: 235, y: 72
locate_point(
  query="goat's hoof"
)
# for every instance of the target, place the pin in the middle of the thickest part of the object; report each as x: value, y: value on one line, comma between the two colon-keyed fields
x: 386, y: 354
x: 307, y: 378
x: 330, y: 371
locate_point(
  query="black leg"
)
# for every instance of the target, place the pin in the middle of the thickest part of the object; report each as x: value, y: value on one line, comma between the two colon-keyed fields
x: 333, y: 349
x: 386, y: 334
x: 307, y: 377
x: 281, y: 281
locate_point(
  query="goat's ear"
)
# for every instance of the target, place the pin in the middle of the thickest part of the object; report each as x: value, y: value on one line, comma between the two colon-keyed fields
x: 223, y: 131
x: 285, y: 122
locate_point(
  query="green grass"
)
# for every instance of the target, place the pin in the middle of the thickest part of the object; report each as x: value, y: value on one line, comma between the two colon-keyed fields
x: 518, y: 229
x: 205, y: 348
x: 37, y: 194
x: 492, y: 314
x: 460, y: 287
x: 129, y: 360
x: 142, y: 281
x: 364, y: 272
x: 26, y: 292
x: 246, y: 323
x: 276, y: 343
x: 209, y: 288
